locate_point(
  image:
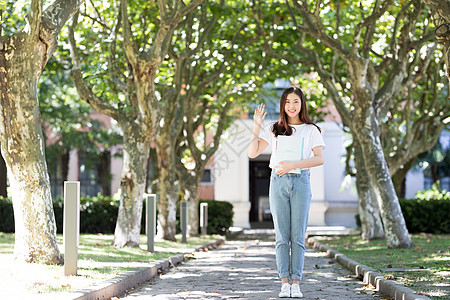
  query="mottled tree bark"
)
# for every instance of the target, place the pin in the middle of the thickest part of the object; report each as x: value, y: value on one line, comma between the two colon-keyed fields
x: 136, y: 149
x: 167, y: 188
x: 441, y: 17
x: 22, y: 59
x: 189, y: 187
x: 369, y: 213
x: 394, y: 224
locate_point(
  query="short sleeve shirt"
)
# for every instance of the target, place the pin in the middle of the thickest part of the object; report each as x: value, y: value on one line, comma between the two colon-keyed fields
x: 310, y: 133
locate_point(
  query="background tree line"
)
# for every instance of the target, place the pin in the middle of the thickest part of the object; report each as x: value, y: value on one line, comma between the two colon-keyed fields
x: 170, y: 72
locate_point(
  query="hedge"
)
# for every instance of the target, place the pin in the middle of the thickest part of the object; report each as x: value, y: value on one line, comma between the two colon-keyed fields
x: 99, y: 214
x: 220, y: 216
x: 429, y: 216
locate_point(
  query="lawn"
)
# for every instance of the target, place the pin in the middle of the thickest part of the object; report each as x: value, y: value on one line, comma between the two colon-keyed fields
x: 97, y: 261
x: 424, y: 268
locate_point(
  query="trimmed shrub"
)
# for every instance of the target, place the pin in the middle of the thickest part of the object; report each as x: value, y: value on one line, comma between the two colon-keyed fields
x: 98, y: 214
x: 429, y: 216
x: 6, y: 215
x: 220, y: 216
x: 426, y: 215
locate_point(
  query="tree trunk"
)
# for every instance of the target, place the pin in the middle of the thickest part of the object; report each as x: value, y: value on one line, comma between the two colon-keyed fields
x: 3, y: 177
x: 371, y: 225
x: 394, y: 224
x: 23, y: 147
x: 136, y: 149
x: 399, y: 178
x: 167, y: 189
x: 191, y: 191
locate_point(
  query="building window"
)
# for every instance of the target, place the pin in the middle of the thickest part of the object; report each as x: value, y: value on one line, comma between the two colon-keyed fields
x: 206, y: 176
x: 89, y: 185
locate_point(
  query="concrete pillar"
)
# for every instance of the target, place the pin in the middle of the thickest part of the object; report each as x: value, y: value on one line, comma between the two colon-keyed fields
x: 71, y: 227
x: 183, y: 221
x: 151, y: 221
x: 204, y: 218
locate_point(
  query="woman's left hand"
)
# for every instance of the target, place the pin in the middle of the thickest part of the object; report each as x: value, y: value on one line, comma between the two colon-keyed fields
x: 284, y: 167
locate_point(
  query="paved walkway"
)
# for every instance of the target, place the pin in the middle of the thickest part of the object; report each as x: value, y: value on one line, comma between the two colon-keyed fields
x: 246, y: 269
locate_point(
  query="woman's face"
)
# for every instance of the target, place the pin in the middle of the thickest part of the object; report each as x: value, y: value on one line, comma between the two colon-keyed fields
x: 292, y: 106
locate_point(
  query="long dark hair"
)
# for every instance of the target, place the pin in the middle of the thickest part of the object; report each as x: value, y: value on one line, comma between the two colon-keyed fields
x: 282, y: 127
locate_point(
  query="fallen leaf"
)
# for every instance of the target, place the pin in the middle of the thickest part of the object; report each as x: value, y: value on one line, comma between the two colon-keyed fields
x: 389, y: 277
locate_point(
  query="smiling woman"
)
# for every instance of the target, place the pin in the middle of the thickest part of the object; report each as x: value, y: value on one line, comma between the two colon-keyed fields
x: 290, y: 190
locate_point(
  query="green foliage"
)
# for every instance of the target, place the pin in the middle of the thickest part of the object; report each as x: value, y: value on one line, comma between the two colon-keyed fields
x: 220, y: 216
x: 426, y: 216
x: 6, y: 215
x: 97, y: 214
x: 435, y: 193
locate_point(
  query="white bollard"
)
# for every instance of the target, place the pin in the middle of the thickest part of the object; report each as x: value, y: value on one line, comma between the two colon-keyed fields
x: 71, y: 227
x: 204, y: 218
x: 150, y: 221
x: 184, y: 221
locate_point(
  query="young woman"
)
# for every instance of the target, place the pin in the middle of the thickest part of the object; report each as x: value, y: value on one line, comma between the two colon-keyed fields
x: 290, y: 190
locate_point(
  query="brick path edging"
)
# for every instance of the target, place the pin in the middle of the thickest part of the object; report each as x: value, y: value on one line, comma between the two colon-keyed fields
x: 126, y: 280
x: 369, y: 275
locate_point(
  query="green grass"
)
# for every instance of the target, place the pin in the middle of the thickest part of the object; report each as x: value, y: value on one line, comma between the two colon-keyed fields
x: 430, y: 259
x: 97, y: 261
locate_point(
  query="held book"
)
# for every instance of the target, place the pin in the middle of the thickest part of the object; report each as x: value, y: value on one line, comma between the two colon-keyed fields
x: 290, y: 148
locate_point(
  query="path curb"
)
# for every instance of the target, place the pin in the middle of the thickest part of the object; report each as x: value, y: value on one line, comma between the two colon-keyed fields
x: 126, y: 280
x: 369, y: 275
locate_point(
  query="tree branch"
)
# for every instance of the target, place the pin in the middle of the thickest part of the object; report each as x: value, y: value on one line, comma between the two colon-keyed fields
x: 127, y: 36
x: 84, y: 91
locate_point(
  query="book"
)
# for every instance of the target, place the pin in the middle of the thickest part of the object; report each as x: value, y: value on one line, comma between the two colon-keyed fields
x: 290, y: 148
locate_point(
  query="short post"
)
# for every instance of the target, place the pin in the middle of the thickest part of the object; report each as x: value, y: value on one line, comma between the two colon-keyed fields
x: 204, y: 218
x: 183, y: 217
x: 151, y: 221
x: 71, y: 227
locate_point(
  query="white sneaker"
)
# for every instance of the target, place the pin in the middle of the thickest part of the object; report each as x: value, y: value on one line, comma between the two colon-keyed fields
x: 295, y: 291
x: 285, y: 291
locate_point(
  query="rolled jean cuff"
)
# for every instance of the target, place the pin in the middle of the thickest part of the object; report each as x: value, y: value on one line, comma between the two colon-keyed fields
x: 284, y: 275
x: 296, y: 277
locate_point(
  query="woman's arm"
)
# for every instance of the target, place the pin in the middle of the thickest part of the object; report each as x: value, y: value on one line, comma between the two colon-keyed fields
x: 317, y: 160
x: 257, y: 145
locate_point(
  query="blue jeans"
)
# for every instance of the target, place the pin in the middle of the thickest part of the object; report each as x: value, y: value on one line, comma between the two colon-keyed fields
x: 290, y: 198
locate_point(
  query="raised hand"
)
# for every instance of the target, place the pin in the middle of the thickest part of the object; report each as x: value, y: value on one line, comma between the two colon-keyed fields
x: 259, y: 116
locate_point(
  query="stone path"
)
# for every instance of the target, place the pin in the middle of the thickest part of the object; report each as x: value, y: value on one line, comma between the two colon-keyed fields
x: 246, y: 270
